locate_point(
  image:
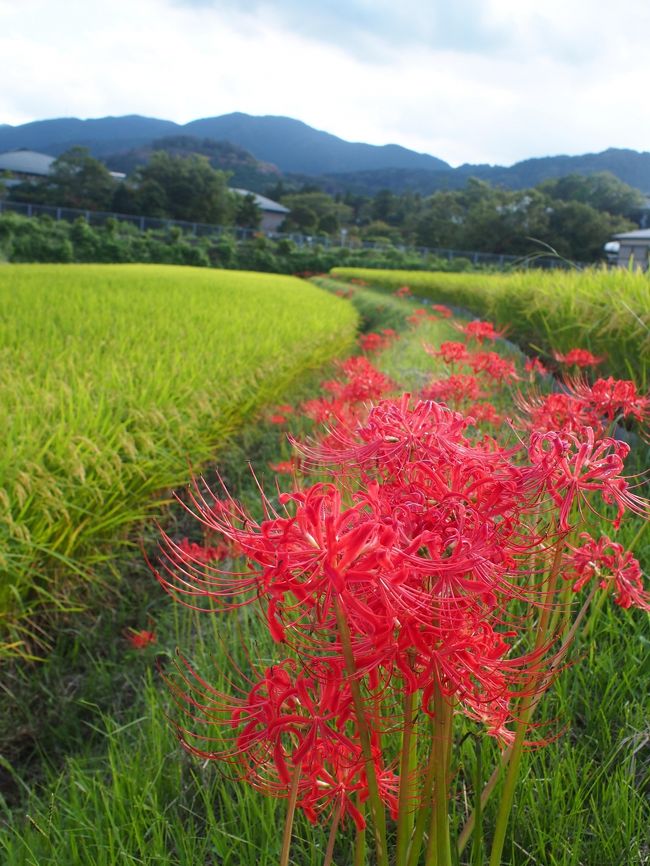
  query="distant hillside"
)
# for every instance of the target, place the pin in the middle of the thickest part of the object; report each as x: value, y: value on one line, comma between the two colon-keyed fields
x: 629, y: 166
x: 301, y: 151
x: 245, y: 171
x: 295, y: 147
x: 101, y: 136
x: 282, y: 141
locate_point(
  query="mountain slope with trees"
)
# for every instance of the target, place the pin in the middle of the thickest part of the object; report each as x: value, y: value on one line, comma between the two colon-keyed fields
x: 298, y: 149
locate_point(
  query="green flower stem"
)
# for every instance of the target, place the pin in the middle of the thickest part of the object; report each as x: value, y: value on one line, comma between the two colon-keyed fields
x: 439, y: 847
x: 415, y: 845
x: 408, y: 761
x: 376, y: 807
x: 595, y: 613
x: 468, y: 829
x: 336, y: 819
x: 526, y: 707
x: 477, y: 848
x: 288, y: 823
x: 360, y: 842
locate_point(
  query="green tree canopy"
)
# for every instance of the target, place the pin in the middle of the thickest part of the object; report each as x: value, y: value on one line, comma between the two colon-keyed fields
x: 602, y: 191
x: 79, y: 180
x: 247, y: 213
x: 183, y: 188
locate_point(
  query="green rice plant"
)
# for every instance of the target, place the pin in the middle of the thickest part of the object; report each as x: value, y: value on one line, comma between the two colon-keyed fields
x: 605, y: 311
x: 113, y: 379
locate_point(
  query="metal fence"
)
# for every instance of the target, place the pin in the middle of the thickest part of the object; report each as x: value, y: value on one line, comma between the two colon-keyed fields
x: 343, y: 241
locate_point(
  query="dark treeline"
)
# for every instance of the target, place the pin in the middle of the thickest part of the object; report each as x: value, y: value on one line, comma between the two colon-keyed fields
x: 574, y: 215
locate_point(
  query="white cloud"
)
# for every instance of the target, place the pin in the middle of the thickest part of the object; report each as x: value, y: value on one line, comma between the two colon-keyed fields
x: 565, y: 77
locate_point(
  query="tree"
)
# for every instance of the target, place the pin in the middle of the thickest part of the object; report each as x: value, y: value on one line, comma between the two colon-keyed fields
x: 580, y: 231
x: 79, y: 180
x: 247, y: 213
x: 183, y: 188
x: 602, y: 191
x: 315, y: 211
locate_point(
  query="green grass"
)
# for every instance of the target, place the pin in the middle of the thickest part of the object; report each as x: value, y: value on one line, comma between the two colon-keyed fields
x: 113, y: 379
x: 606, y: 311
x: 115, y: 787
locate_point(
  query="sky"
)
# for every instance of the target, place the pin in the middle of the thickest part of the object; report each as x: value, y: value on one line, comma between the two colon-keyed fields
x: 480, y: 81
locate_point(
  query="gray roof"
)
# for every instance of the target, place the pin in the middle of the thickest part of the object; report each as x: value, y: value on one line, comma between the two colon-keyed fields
x: 26, y: 162
x: 639, y: 235
x: 263, y: 202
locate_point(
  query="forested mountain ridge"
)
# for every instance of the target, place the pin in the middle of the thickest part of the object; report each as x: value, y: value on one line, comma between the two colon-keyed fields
x: 298, y: 149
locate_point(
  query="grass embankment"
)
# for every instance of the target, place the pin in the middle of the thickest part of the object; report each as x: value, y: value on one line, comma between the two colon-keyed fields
x: 606, y: 311
x: 113, y: 378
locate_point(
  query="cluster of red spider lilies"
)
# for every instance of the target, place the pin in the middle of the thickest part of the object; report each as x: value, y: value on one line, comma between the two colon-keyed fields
x: 431, y: 561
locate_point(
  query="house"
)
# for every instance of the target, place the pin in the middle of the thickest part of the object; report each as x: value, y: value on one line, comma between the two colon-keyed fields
x: 25, y: 165
x: 630, y: 249
x: 273, y: 214
x: 22, y: 165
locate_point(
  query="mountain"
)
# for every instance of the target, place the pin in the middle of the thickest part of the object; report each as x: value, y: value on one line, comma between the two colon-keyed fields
x: 101, y: 136
x: 308, y: 154
x: 629, y: 166
x: 245, y: 171
x: 295, y: 147
x: 287, y: 143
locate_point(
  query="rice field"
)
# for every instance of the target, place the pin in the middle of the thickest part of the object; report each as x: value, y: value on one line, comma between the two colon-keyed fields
x: 605, y: 311
x: 113, y: 380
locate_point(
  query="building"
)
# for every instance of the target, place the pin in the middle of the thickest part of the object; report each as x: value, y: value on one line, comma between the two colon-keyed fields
x: 25, y: 165
x: 630, y: 249
x: 273, y: 214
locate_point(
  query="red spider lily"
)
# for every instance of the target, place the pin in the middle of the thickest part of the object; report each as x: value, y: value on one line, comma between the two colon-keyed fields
x: 450, y: 352
x: 364, y: 382
x: 484, y: 412
x: 579, y: 358
x: 419, y: 316
x: 417, y: 587
x: 403, y: 292
x: 413, y: 577
x: 286, y: 719
x: 534, y: 365
x: 201, y: 554
x: 286, y: 409
x: 456, y: 390
x: 582, y: 405
x: 393, y: 434
x: 372, y: 342
x: 479, y: 331
x: 285, y: 467
x: 493, y: 366
x: 558, y: 412
x: 578, y: 465
x: 277, y: 419
x: 610, y: 564
x: 611, y: 398
x: 140, y: 639
x: 445, y: 312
